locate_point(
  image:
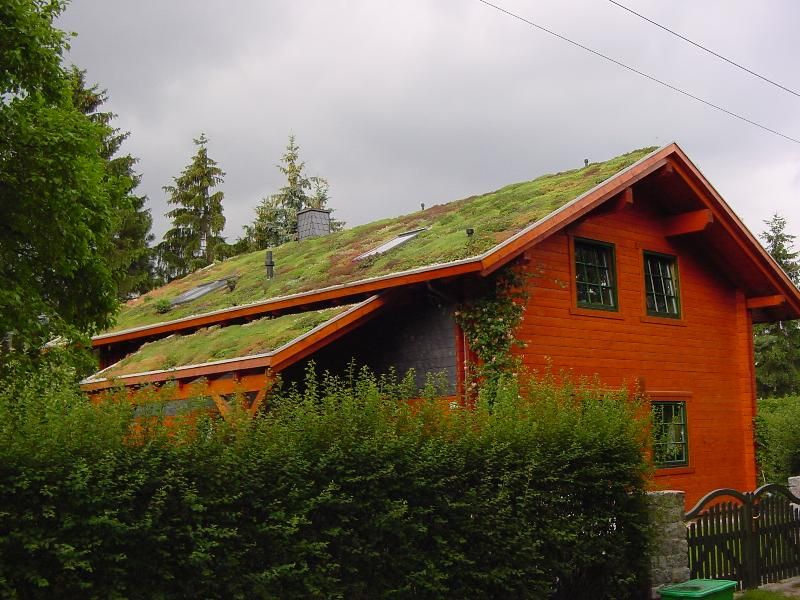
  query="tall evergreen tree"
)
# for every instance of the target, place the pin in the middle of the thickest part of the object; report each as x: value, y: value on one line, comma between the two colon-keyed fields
x: 276, y: 216
x: 198, y: 219
x: 130, y: 256
x: 777, y: 345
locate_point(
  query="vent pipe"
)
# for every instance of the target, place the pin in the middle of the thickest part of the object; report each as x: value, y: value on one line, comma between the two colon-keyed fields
x: 269, y: 264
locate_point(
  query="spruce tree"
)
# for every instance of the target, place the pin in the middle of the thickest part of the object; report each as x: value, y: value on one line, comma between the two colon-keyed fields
x: 276, y: 216
x: 777, y: 345
x: 198, y: 219
x: 130, y: 255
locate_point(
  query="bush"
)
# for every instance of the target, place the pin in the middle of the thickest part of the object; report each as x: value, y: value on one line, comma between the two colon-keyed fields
x: 162, y: 306
x: 778, y: 438
x: 339, y: 491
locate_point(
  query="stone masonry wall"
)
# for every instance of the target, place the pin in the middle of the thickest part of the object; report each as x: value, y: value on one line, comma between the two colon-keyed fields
x: 794, y: 485
x: 670, y: 552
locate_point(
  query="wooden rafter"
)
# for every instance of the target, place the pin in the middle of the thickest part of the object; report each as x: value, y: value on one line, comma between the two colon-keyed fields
x: 689, y: 222
x: 766, y: 301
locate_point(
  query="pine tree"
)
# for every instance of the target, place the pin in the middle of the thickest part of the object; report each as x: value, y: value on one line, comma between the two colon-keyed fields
x: 777, y: 345
x: 130, y: 256
x: 276, y: 216
x: 198, y: 219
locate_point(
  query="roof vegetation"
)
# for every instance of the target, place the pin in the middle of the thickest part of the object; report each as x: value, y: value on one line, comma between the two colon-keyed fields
x: 219, y: 343
x: 321, y: 262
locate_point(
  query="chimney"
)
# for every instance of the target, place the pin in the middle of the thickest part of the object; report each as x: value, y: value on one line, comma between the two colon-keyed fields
x: 313, y: 222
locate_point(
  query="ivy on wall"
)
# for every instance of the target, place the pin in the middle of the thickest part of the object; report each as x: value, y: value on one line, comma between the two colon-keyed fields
x: 489, y: 323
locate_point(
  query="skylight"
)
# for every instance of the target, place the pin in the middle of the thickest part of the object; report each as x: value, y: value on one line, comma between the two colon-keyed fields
x: 199, y: 291
x: 393, y: 243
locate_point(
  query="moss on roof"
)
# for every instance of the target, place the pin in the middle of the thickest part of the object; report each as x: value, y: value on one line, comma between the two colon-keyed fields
x: 218, y: 343
x: 322, y: 262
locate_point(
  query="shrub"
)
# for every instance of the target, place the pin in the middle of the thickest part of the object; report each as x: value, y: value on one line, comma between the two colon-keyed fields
x: 162, y: 306
x: 339, y: 491
x: 778, y: 438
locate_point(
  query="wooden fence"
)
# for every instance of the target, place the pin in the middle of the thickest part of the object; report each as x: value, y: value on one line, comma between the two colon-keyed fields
x: 752, y: 537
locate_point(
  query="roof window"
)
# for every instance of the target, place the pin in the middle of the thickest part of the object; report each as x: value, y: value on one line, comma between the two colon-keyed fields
x: 198, y: 292
x: 393, y: 243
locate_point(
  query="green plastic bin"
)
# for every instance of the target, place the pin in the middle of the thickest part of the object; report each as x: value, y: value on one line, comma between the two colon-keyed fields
x: 710, y: 589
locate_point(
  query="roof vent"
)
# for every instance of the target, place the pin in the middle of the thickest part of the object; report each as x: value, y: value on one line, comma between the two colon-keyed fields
x: 269, y: 263
x: 313, y: 222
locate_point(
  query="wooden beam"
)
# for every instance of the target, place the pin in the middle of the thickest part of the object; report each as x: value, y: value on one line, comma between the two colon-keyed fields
x: 766, y: 301
x: 690, y: 222
x: 624, y: 200
x: 666, y: 171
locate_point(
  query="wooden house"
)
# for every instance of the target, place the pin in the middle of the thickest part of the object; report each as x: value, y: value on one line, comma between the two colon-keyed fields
x: 639, y: 272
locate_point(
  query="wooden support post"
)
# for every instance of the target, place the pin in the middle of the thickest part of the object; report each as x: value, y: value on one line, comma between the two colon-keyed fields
x: 690, y: 222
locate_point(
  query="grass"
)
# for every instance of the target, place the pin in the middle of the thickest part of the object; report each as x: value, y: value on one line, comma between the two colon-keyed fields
x: 321, y: 262
x: 763, y: 595
x: 218, y: 343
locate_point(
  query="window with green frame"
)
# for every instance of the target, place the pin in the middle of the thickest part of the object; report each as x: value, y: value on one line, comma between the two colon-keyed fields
x: 661, y: 285
x: 595, y: 275
x: 670, y: 435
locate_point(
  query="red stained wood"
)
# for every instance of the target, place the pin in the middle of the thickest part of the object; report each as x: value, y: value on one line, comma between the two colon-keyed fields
x: 766, y: 301
x: 691, y: 222
x: 706, y: 355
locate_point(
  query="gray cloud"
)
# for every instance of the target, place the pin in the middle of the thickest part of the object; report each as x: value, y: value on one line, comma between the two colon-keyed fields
x: 398, y: 103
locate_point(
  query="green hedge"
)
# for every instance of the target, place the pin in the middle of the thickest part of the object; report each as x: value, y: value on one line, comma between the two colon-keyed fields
x: 339, y: 492
x: 778, y: 438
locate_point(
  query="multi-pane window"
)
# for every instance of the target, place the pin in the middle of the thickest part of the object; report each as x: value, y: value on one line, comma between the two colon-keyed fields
x: 661, y: 285
x: 595, y: 276
x: 670, y: 439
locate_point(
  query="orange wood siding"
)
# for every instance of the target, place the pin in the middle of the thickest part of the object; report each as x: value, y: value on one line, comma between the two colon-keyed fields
x: 707, y: 353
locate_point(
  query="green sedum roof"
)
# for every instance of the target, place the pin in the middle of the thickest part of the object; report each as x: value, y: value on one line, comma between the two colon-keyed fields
x: 321, y: 262
x: 220, y: 343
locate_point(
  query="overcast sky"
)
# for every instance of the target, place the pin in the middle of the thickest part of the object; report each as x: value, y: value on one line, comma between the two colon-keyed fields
x: 399, y: 103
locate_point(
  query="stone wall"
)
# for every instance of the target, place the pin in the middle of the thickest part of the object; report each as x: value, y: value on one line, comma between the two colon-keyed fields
x: 794, y: 485
x: 670, y: 552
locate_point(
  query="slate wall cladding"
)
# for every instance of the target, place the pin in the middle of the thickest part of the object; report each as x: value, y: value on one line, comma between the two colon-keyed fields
x: 419, y: 336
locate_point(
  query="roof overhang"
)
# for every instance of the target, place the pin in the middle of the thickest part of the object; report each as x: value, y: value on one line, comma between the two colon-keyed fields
x: 771, y: 294
x: 276, y: 360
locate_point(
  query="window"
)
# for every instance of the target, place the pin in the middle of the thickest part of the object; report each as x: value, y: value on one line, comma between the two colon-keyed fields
x: 595, y: 277
x: 670, y: 438
x: 400, y: 239
x: 661, y: 285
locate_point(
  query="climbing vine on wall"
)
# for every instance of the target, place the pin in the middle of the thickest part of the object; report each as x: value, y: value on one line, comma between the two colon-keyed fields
x: 489, y: 323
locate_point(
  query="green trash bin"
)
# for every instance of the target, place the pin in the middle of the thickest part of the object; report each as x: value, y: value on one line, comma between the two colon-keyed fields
x: 710, y: 589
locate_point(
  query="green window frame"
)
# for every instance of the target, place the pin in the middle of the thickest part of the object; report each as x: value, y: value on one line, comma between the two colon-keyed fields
x: 595, y: 275
x: 662, y: 295
x: 670, y: 434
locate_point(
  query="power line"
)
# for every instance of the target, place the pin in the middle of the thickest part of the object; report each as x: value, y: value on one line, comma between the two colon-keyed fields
x: 693, y: 43
x: 641, y: 73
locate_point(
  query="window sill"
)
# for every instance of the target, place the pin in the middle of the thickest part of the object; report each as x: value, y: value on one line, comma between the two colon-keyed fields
x: 596, y: 312
x: 663, y: 321
x: 667, y: 471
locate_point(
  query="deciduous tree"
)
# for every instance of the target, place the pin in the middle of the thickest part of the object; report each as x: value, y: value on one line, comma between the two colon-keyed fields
x: 56, y: 219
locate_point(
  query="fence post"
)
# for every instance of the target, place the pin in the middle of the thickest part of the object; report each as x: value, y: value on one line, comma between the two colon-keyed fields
x: 669, y: 562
